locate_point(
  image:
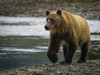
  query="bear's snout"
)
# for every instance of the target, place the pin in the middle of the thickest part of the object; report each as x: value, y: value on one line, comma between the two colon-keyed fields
x: 46, y: 27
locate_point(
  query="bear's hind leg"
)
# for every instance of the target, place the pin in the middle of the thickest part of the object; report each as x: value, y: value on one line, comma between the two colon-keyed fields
x: 84, y: 50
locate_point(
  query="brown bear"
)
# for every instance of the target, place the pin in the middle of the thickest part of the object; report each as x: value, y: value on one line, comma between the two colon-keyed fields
x: 69, y: 30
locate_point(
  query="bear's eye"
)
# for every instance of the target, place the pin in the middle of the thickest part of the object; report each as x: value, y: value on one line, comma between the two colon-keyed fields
x: 52, y: 20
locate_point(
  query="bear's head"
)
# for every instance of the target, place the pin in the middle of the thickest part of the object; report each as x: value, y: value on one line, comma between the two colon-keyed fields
x: 53, y: 19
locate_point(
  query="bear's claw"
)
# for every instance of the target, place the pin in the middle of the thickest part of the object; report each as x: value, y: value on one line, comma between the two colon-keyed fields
x: 62, y: 63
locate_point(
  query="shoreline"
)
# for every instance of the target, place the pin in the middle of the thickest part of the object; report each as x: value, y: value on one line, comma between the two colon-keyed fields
x: 91, y: 67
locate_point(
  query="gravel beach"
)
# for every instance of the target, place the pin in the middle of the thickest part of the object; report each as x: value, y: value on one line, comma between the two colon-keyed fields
x: 92, y: 67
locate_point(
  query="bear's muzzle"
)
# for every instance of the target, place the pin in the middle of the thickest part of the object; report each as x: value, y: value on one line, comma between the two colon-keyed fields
x: 46, y: 27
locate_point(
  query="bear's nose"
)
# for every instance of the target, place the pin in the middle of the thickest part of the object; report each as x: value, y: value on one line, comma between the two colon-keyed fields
x: 46, y: 27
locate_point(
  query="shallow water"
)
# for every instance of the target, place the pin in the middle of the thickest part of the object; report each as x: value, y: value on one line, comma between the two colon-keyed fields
x: 24, y: 41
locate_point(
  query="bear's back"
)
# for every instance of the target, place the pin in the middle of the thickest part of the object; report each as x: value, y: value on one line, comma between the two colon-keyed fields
x: 79, y: 27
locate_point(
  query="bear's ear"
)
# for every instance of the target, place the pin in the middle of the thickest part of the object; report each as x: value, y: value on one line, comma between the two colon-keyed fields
x: 46, y: 12
x: 59, y: 12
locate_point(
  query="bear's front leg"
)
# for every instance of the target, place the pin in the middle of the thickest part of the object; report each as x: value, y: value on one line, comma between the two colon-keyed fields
x: 65, y: 52
x: 70, y: 53
x: 53, y: 48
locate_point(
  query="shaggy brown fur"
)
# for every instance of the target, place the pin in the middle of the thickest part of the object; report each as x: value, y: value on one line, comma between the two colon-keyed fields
x: 71, y: 31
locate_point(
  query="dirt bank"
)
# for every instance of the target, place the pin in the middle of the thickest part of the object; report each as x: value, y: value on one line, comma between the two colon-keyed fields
x: 89, y: 9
